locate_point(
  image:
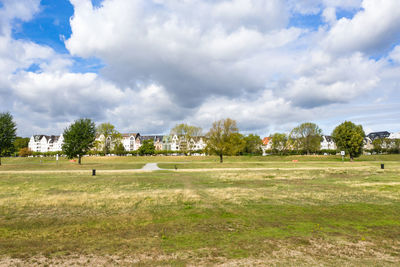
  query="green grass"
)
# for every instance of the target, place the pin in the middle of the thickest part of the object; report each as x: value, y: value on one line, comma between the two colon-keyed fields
x: 334, y: 216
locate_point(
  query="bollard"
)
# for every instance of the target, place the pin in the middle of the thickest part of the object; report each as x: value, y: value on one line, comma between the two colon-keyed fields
x: 176, y: 168
x: 382, y: 166
x: 93, y: 172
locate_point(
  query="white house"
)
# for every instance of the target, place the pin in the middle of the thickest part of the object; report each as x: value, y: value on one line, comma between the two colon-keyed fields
x: 327, y: 143
x: 44, y: 143
x: 131, y: 141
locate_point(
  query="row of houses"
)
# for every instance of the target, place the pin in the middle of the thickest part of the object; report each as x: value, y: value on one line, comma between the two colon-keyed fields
x: 328, y: 143
x: 133, y: 141
x: 130, y: 141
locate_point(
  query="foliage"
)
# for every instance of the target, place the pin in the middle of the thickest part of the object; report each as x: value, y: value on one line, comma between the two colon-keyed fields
x: 111, y: 137
x: 186, y: 133
x: 79, y: 138
x: 377, y: 143
x: 25, y: 152
x: 147, y: 148
x: 7, y: 133
x: 349, y: 138
x: 237, y: 145
x: 20, y: 143
x: 119, y: 150
x: 307, y: 137
x: 279, y: 143
x: 221, y: 136
x: 253, y: 144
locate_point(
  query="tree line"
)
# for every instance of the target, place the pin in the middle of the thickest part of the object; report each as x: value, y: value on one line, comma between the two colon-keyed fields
x: 222, y: 139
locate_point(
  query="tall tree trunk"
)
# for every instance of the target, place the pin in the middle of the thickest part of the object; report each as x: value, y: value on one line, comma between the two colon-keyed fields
x: 79, y: 159
x: 0, y: 160
x: 220, y: 158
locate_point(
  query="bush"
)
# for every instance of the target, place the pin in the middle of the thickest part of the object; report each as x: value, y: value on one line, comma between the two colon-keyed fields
x: 25, y: 152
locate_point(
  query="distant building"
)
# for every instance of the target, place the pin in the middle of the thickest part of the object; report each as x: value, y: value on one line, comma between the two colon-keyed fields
x: 267, y: 145
x: 157, y: 141
x: 45, y: 143
x: 378, y: 135
x: 131, y: 141
x: 328, y: 143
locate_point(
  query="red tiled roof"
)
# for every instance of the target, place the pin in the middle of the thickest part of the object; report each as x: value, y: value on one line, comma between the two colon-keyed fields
x: 266, y: 140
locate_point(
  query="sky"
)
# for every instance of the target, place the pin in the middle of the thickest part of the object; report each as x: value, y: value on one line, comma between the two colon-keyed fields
x: 147, y: 65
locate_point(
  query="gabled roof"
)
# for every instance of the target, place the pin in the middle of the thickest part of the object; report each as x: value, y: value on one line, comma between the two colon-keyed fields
x: 37, y: 138
x: 155, y: 138
x: 136, y: 135
x: 328, y: 138
x: 379, y: 135
x: 53, y: 138
x: 266, y: 140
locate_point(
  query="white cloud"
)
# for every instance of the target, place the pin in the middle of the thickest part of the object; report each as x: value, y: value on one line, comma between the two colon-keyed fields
x: 198, y: 61
x: 334, y: 81
x: 395, y: 54
x: 372, y: 30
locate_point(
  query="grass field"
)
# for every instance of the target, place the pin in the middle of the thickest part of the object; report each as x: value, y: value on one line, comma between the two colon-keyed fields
x: 319, y: 212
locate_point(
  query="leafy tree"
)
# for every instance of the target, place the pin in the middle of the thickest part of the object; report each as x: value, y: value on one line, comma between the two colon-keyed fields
x: 7, y: 133
x: 279, y: 143
x: 349, y: 138
x: 111, y: 136
x: 147, y: 148
x: 307, y: 137
x: 25, y: 152
x: 237, y: 145
x: 378, y: 145
x: 221, y: 136
x: 20, y: 143
x: 185, y: 133
x: 253, y: 144
x: 119, y: 149
x: 79, y: 138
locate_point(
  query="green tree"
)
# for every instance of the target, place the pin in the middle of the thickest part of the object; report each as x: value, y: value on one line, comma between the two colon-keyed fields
x: 307, y: 137
x: 79, y: 138
x: 220, y: 137
x: 8, y: 131
x: 111, y: 136
x: 147, y: 148
x: 20, y: 143
x: 378, y: 145
x: 119, y: 149
x: 186, y: 133
x: 237, y: 145
x: 279, y: 143
x: 253, y: 144
x: 349, y: 138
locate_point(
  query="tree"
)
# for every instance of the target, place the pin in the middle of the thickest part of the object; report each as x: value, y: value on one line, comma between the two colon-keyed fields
x: 147, y: 148
x: 220, y: 137
x: 279, y: 143
x: 186, y: 133
x: 25, y: 152
x: 253, y: 144
x: 20, y: 143
x: 79, y: 138
x: 111, y: 136
x: 378, y: 145
x: 119, y: 149
x: 349, y: 138
x: 237, y: 145
x: 307, y: 137
x: 8, y: 131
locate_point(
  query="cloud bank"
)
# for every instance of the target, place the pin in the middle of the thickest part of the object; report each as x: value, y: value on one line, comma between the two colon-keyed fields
x: 166, y: 62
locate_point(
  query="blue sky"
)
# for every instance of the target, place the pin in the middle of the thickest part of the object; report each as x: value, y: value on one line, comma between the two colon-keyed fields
x: 147, y: 65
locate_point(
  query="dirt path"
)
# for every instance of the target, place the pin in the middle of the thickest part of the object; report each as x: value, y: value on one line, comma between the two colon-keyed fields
x: 151, y: 168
